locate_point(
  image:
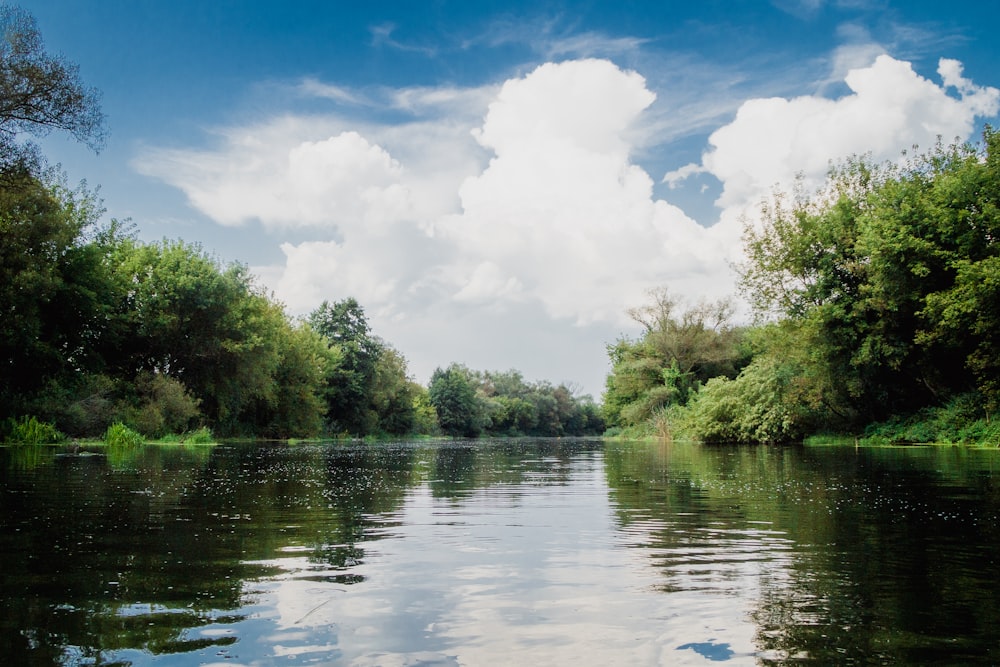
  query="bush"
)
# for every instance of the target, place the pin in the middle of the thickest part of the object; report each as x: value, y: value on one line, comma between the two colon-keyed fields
x: 757, y: 407
x: 713, y: 413
x: 962, y: 420
x: 29, y: 431
x: 981, y: 432
x: 166, y: 405
x: 82, y: 406
x: 118, y: 434
x: 199, y: 436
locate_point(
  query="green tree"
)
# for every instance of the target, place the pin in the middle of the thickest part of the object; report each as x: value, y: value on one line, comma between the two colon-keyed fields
x: 453, y: 396
x: 970, y: 309
x: 516, y: 415
x: 298, y: 405
x: 888, y: 272
x: 635, y: 388
x: 39, y: 93
x: 508, y: 405
x: 392, y: 394
x: 677, y: 352
x: 165, y: 406
x: 54, y: 286
x: 700, y: 341
x: 350, y: 384
x: 425, y: 419
x: 187, y: 317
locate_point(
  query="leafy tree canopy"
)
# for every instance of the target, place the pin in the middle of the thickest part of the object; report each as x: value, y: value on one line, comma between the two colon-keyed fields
x: 39, y: 93
x: 890, y: 269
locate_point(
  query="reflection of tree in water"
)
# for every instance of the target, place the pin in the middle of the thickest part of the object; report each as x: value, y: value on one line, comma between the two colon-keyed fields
x: 462, y: 467
x: 22, y: 458
x: 363, y: 487
x: 905, y: 575
x: 82, y: 543
x: 99, y: 558
x: 868, y: 557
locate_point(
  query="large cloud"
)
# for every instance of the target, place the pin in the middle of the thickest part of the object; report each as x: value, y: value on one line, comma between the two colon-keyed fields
x: 524, y: 200
x: 331, y: 175
x: 890, y: 109
x: 561, y: 215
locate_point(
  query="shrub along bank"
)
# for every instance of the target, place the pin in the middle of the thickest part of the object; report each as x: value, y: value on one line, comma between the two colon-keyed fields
x: 878, y: 314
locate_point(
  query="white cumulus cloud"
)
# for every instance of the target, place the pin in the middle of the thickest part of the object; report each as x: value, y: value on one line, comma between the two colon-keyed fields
x: 890, y: 109
x: 340, y: 180
x: 562, y: 208
x: 524, y: 200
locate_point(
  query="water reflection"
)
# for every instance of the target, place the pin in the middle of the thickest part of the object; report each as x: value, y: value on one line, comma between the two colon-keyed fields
x: 871, y: 556
x: 568, y: 551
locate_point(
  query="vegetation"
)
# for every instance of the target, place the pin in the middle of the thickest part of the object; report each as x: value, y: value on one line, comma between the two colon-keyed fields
x: 38, y: 93
x: 472, y: 403
x: 104, y: 336
x: 961, y: 421
x: 877, y: 303
x: 29, y: 431
x: 367, y: 390
x: 678, y: 352
x: 99, y: 329
x: 199, y: 436
x: 120, y: 435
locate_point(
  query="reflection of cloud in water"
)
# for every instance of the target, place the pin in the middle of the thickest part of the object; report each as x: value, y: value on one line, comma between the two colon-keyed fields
x: 421, y: 659
x: 712, y: 651
x: 539, y: 578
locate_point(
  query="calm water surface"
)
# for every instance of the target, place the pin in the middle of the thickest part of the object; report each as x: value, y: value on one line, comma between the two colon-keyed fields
x: 562, y: 552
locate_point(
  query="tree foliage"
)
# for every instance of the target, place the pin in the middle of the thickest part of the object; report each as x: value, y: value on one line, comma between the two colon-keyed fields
x: 186, y: 316
x: 54, y: 285
x: 454, y: 399
x: 98, y: 328
x: 678, y: 352
x: 368, y: 391
x: 472, y: 403
x: 39, y: 93
x: 892, y: 270
x: 393, y: 395
x: 877, y: 303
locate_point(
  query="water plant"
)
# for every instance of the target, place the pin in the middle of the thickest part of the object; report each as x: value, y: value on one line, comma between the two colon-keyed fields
x: 28, y: 430
x: 200, y: 436
x: 118, y: 434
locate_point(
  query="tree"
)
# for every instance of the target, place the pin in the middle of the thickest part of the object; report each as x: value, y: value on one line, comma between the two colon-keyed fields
x: 350, y: 384
x: 700, y: 341
x: 425, y: 419
x: 888, y: 270
x: 187, y: 317
x: 39, y: 93
x: 304, y: 364
x: 392, y: 394
x: 54, y: 286
x: 678, y: 352
x: 454, y: 399
x: 165, y: 406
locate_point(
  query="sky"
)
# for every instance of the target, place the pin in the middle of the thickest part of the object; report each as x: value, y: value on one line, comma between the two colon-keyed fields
x: 496, y: 183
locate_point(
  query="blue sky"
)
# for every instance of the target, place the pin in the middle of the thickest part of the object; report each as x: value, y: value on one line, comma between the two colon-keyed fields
x: 497, y: 183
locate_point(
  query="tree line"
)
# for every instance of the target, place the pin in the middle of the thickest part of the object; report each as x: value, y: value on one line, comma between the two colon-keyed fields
x: 877, y: 312
x: 473, y: 403
x: 875, y: 302
x: 98, y: 328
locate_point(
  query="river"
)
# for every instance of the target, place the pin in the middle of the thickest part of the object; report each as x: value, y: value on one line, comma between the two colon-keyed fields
x: 545, y: 552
